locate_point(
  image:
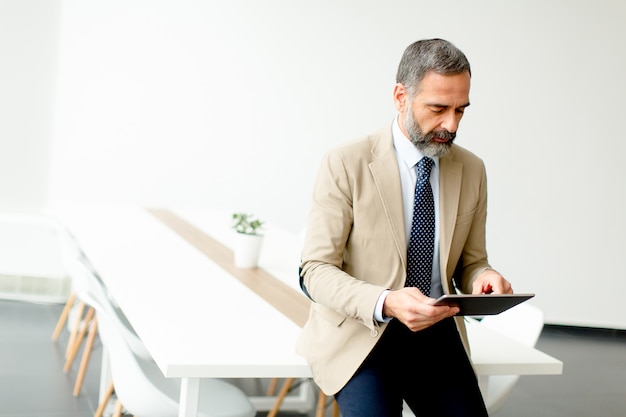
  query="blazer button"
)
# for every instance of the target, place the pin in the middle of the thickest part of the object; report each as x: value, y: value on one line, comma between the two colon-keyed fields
x: 374, y: 332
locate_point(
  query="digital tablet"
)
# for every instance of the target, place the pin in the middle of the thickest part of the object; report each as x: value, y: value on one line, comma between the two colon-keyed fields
x: 481, y: 304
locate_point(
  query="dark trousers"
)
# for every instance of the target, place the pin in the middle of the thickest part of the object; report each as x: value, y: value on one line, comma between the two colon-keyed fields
x: 428, y: 369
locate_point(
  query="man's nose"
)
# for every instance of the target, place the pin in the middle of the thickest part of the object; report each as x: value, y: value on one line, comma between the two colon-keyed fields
x: 451, y: 122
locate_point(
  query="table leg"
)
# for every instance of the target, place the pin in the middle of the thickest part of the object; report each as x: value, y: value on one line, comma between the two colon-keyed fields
x: 189, y: 392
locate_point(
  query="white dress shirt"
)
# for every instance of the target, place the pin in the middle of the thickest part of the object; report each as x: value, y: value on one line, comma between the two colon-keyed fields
x: 408, y: 156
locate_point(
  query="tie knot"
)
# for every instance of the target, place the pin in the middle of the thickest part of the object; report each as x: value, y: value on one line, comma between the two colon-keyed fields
x: 423, y: 167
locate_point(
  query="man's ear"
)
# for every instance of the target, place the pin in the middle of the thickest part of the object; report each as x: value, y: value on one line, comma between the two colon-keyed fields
x: 400, y: 97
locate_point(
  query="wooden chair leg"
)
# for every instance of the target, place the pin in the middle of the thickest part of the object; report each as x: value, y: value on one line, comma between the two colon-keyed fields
x: 335, y: 408
x: 63, y: 317
x: 105, y: 400
x: 79, y: 339
x: 284, y: 390
x: 82, y: 370
x: 321, y: 404
x: 118, y: 409
x: 75, y: 327
x: 271, y: 389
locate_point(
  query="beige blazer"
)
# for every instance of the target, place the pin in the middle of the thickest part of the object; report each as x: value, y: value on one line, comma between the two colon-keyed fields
x: 355, y: 247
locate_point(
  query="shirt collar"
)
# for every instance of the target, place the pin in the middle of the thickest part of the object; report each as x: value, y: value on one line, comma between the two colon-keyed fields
x: 405, y: 148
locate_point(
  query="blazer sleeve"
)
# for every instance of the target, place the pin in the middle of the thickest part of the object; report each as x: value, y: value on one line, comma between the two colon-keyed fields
x: 328, y: 230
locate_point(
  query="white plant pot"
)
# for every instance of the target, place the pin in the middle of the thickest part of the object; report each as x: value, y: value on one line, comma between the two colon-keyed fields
x: 247, y: 249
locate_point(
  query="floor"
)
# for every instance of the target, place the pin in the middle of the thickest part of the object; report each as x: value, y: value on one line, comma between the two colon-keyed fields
x: 32, y: 383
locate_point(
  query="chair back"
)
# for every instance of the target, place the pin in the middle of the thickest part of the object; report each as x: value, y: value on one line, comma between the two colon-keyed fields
x: 522, y: 323
x: 135, y: 377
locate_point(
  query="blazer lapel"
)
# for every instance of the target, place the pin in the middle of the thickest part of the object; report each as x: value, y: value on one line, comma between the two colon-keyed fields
x: 450, y: 174
x: 384, y: 169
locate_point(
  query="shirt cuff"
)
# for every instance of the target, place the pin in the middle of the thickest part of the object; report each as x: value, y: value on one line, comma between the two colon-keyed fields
x: 378, y: 310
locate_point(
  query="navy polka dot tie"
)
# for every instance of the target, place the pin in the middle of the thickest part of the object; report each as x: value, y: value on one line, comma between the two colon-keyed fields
x: 422, y: 240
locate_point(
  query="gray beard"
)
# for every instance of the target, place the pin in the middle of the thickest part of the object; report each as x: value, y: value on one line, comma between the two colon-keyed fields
x: 425, y: 143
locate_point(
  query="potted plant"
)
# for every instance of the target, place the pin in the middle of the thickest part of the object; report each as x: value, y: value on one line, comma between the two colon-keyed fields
x: 248, y: 240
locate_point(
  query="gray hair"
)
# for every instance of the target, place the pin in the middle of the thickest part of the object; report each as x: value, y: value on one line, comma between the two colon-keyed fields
x: 435, y: 55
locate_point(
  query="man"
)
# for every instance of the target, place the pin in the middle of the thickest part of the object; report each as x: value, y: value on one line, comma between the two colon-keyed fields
x: 373, y: 339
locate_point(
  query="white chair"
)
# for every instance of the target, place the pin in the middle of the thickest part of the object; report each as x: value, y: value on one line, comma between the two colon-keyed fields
x: 78, y: 324
x: 522, y: 323
x: 82, y: 325
x: 139, y: 384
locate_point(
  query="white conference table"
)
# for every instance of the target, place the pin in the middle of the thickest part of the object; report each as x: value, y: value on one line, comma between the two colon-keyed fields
x: 198, y: 321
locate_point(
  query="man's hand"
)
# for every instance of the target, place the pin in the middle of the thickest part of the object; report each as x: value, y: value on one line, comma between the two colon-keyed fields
x: 414, y: 309
x: 491, y: 282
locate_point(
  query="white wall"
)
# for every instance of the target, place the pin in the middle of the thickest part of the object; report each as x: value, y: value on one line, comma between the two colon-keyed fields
x: 29, y: 41
x: 231, y: 104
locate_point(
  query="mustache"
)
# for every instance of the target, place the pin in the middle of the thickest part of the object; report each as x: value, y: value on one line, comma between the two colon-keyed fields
x: 442, y: 134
